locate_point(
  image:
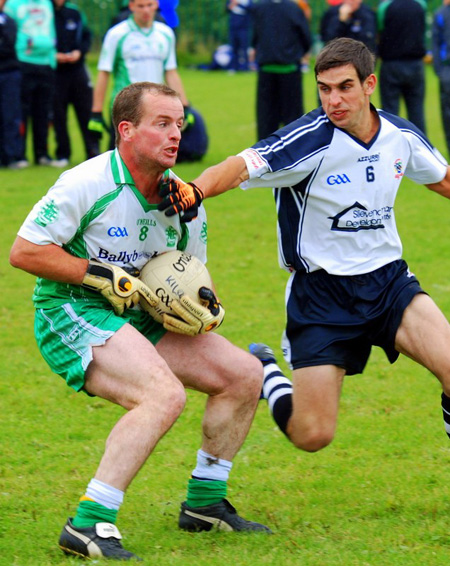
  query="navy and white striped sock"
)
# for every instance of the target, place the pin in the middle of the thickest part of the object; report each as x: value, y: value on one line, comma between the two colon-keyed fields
x: 277, y: 389
x: 446, y: 412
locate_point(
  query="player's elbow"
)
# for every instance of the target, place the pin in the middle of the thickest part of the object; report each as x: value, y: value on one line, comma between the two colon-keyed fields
x: 17, y: 256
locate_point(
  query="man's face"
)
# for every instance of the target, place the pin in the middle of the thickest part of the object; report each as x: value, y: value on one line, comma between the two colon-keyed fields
x: 343, y: 97
x: 144, y: 11
x: 155, y: 141
x: 59, y: 3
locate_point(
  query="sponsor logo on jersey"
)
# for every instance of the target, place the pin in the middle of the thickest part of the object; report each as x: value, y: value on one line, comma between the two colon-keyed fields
x: 338, y: 179
x: 370, y: 158
x: 357, y: 217
x: 398, y: 166
x: 117, y: 232
x: 123, y: 256
x: 145, y: 222
x: 47, y: 214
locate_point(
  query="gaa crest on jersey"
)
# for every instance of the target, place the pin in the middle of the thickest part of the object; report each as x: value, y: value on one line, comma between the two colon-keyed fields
x: 171, y: 237
x: 48, y: 213
x: 398, y: 166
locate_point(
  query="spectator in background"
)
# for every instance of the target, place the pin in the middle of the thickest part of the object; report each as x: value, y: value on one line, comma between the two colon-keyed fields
x: 441, y: 62
x: 36, y: 51
x: 239, y: 26
x: 281, y: 37
x: 73, y: 83
x: 156, y: 63
x: 401, y: 26
x: 11, y: 141
x: 353, y: 19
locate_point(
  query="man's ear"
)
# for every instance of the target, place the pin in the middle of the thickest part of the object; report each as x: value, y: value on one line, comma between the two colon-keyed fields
x: 369, y: 84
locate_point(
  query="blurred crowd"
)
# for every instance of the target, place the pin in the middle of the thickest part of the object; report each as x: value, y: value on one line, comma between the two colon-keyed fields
x: 43, y: 46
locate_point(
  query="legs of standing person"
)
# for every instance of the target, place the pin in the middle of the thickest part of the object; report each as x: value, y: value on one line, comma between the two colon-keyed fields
x: 390, y: 86
x: 267, y: 104
x: 82, y: 103
x: 11, y: 144
x: 414, y: 92
x: 62, y: 94
x: 40, y: 110
x: 291, y: 96
x: 444, y: 91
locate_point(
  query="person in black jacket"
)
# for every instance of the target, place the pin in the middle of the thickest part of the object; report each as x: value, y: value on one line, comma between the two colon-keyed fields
x: 281, y: 37
x: 11, y: 140
x: 73, y: 83
x: 351, y: 19
x: 441, y: 62
x: 401, y: 25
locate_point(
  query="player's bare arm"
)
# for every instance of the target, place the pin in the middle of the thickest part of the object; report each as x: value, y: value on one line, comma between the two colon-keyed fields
x: 222, y: 177
x: 442, y: 188
x: 49, y: 261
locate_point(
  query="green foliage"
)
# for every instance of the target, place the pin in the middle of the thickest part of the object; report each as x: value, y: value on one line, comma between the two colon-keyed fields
x: 376, y: 497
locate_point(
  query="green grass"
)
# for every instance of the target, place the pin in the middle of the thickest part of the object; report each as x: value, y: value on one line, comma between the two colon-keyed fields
x: 377, y: 496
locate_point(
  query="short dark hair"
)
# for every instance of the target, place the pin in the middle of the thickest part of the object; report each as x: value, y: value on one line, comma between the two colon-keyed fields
x: 345, y: 51
x: 128, y: 103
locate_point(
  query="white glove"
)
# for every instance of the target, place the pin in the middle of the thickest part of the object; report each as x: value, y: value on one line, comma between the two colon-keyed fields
x: 196, y: 318
x: 115, y: 284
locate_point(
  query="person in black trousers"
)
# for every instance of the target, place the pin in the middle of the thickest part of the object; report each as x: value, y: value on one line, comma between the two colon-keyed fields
x: 73, y: 83
x: 11, y: 140
x: 401, y: 49
x: 281, y: 37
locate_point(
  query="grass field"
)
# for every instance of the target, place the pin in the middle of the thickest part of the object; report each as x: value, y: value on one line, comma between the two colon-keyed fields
x: 377, y: 496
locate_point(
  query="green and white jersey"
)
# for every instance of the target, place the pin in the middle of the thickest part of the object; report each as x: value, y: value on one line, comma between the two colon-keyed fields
x: 95, y: 211
x: 133, y: 54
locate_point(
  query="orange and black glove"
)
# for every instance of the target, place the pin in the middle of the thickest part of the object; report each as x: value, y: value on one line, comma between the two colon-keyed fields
x: 180, y: 198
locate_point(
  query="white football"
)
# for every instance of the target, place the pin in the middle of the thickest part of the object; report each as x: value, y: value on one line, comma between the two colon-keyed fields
x: 170, y: 276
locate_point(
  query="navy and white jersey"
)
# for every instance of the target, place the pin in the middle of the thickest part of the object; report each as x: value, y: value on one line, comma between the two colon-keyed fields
x: 335, y: 194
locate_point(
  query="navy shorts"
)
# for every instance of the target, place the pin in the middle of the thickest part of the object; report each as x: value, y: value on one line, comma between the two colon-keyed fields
x: 336, y: 320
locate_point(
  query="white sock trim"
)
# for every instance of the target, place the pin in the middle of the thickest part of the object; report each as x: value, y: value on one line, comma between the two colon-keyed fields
x: 104, y: 494
x: 211, y: 468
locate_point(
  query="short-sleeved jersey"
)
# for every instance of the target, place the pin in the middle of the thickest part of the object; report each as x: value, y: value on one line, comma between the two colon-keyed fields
x: 95, y: 211
x: 134, y: 54
x: 335, y: 195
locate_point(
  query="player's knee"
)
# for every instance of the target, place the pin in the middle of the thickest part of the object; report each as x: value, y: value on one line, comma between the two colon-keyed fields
x: 312, y: 439
x: 249, y: 383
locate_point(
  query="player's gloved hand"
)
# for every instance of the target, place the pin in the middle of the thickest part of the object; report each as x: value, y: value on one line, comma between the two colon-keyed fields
x: 179, y: 197
x: 189, y: 119
x: 96, y: 125
x: 120, y: 288
x: 197, y: 318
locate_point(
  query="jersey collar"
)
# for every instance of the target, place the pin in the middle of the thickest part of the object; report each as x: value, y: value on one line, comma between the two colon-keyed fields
x: 122, y: 176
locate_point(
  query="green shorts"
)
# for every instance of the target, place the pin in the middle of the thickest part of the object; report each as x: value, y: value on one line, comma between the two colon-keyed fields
x: 66, y: 335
